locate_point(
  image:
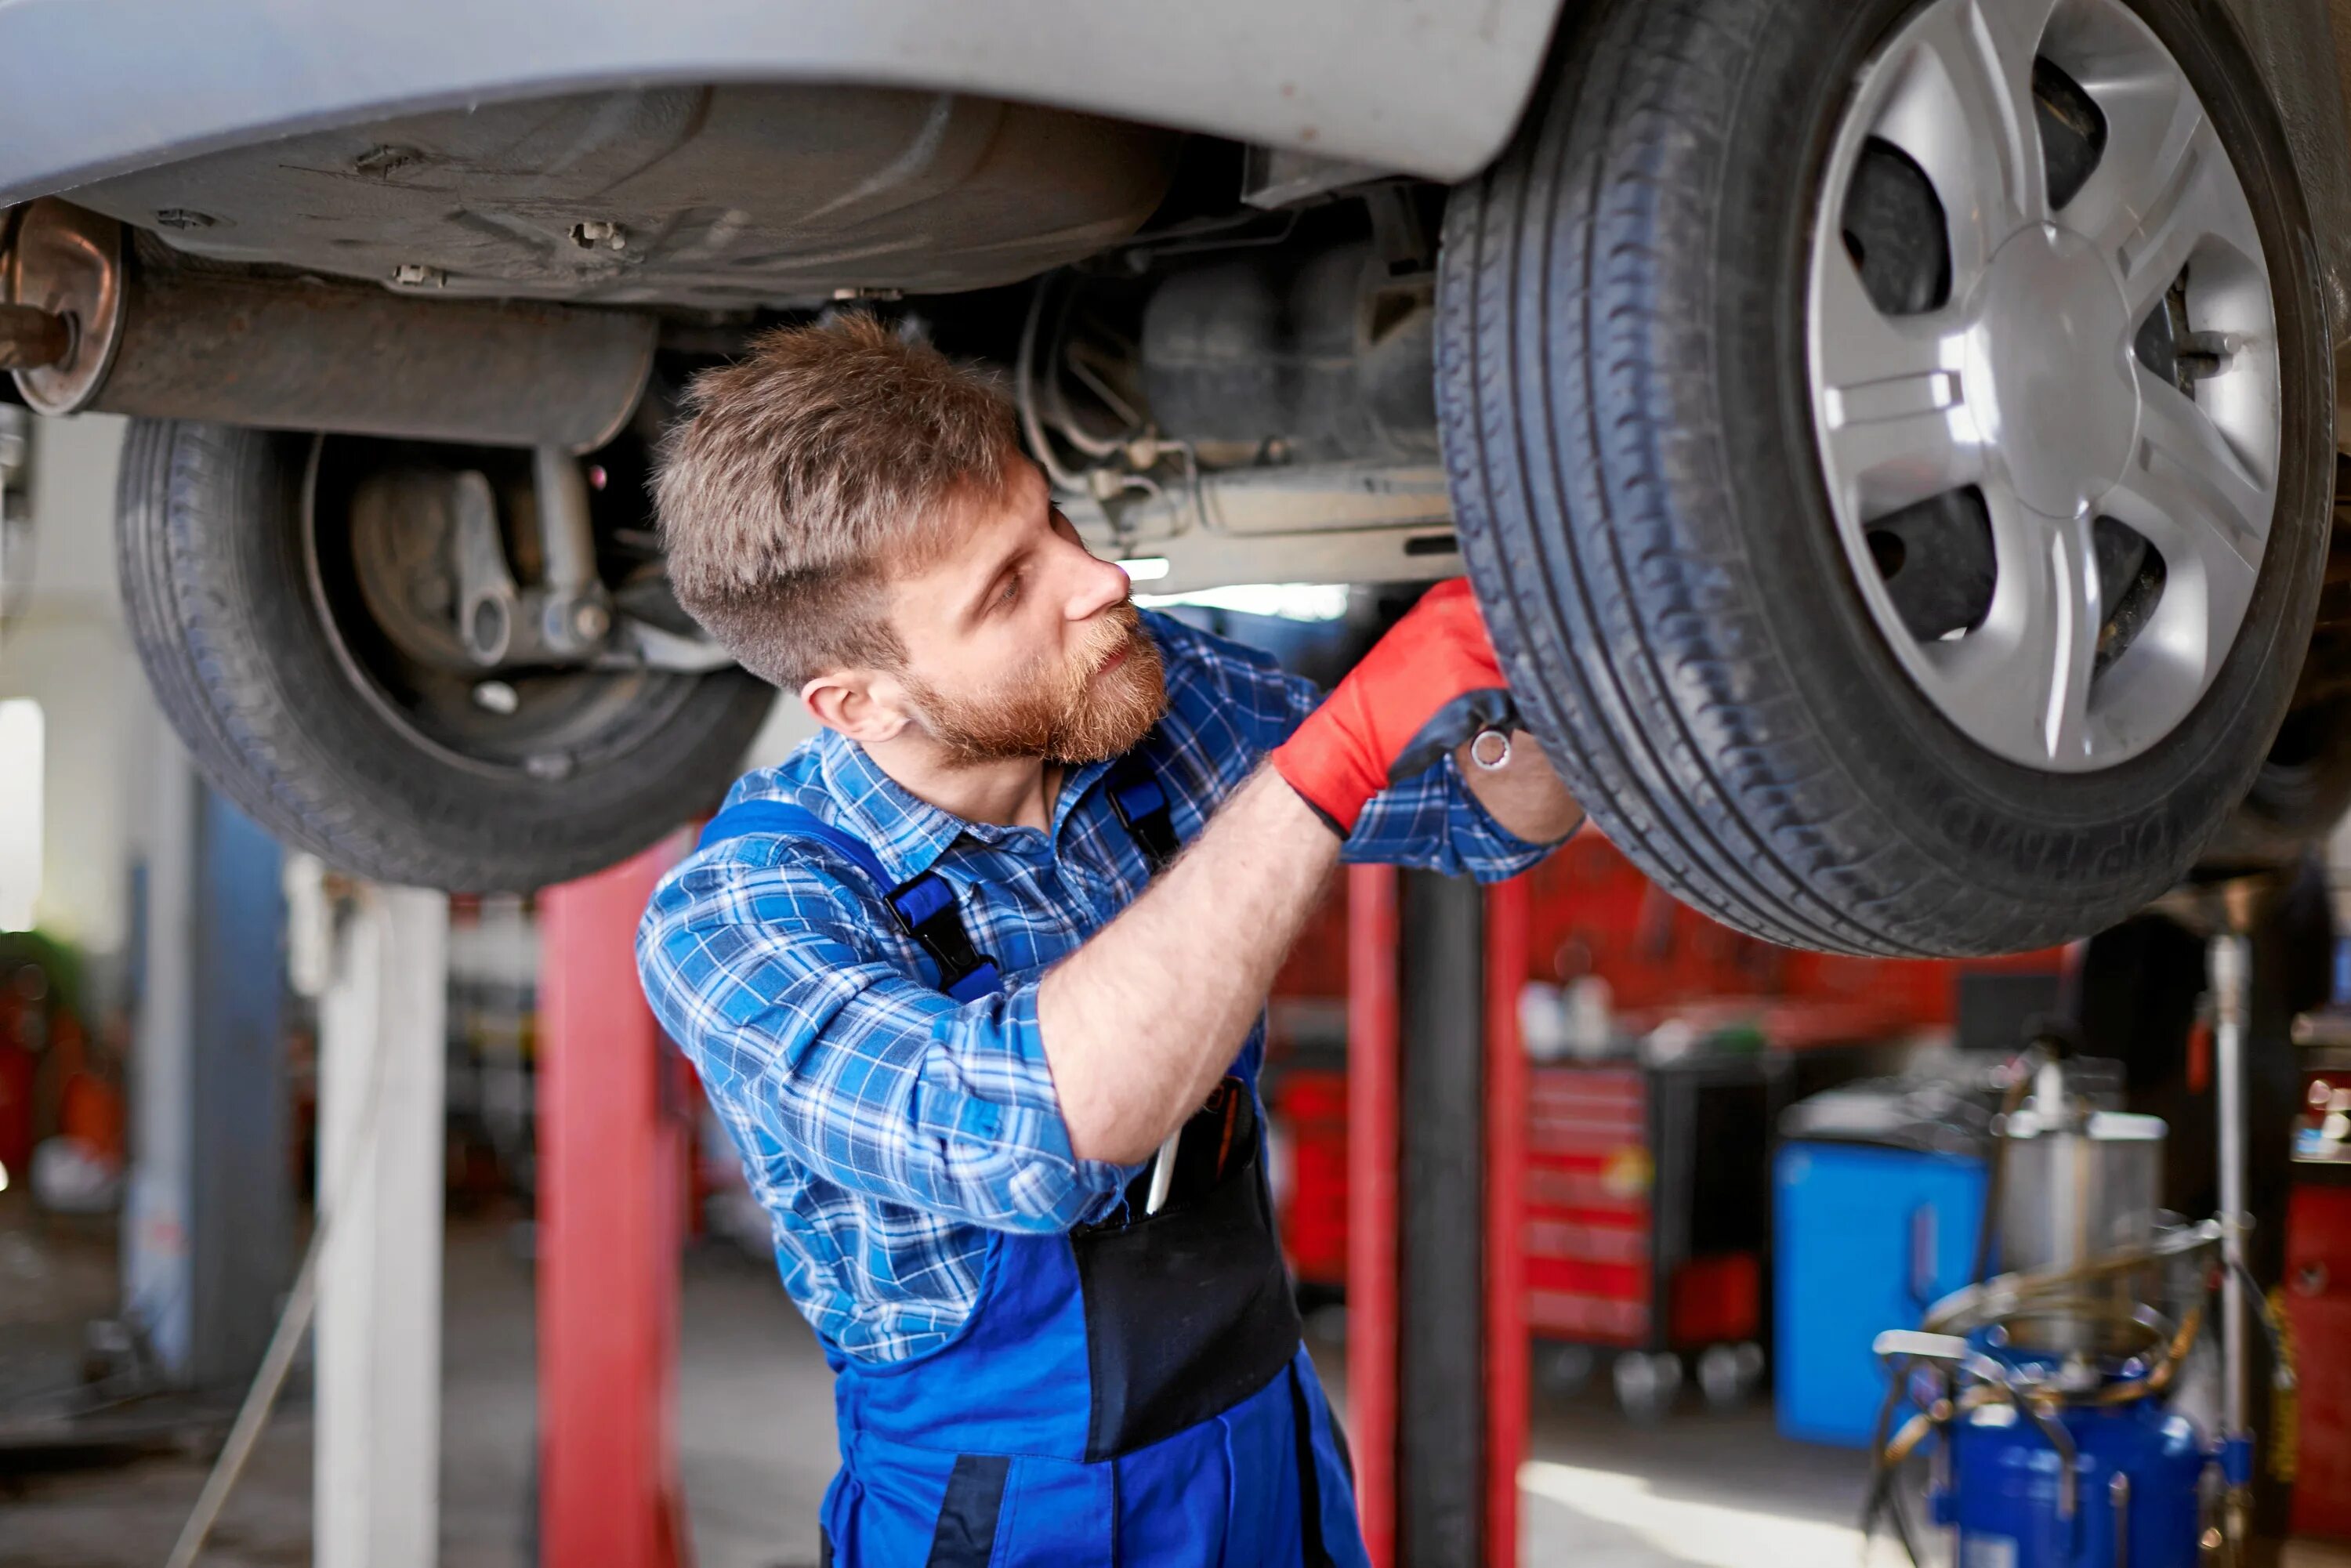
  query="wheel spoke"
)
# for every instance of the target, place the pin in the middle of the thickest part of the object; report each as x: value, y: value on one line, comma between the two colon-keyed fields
x: 2152, y: 119
x: 2165, y: 201
x: 2078, y: 611
x: 1893, y: 405
x: 2201, y: 506
x: 1963, y: 109
x: 2024, y: 675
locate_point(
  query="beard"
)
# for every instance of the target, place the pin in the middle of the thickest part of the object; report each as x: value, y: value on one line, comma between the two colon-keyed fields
x: 1093, y: 706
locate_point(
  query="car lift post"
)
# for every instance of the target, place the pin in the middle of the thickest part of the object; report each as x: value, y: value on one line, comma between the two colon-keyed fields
x: 1510, y: 919
x: 376, y: 1439
x: 1371, y: 1200
x: 208, y: 1217
x: 612, y: 1204
x: 1436, y: 1352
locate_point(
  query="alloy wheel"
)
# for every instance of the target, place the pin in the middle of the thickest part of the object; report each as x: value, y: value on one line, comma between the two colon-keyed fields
x: 2043, y: 368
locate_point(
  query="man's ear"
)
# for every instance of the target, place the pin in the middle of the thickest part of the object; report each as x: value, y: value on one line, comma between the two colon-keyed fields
x: 862, y: 705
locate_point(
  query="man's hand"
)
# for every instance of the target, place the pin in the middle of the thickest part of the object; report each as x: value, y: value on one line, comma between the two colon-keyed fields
x: 1426, y: 687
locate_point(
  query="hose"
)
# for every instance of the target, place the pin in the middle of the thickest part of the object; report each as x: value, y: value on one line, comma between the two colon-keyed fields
x: 1901, y: 1528
x: 2158, y: 1376
x: 1883, y: 1469
x: 2283, y: 1374
x: 1024, y: 396
x: 252, y: 1414
x: 2010, y: 1295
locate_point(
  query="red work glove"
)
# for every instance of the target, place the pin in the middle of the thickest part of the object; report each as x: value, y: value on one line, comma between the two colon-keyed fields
x: 1426, y: 688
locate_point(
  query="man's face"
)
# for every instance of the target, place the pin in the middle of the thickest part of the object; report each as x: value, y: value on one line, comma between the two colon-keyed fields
x: 1019, y: 643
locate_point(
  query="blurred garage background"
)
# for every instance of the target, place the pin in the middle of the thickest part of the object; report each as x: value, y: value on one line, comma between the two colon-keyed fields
x: 1714, y: 1169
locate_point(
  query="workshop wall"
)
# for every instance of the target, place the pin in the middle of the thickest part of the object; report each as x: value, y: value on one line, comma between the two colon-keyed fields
x: 68, y: 651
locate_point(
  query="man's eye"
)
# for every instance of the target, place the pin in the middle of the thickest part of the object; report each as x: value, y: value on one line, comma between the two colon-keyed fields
x: 1011, y: 590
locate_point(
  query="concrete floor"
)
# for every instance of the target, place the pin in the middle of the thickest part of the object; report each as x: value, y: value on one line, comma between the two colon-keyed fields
x: 1701, y: 1491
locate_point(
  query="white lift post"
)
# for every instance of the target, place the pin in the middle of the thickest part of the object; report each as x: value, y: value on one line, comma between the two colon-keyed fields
x: 377, y: 1493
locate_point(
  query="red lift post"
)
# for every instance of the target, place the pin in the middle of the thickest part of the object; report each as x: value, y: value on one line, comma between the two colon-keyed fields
x: 1375, y: 1334
x: 1510, y: 919
x: 611, y: 1166
x: 1371, y: 1200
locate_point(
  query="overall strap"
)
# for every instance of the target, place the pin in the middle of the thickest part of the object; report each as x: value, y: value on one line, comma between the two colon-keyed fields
x: 1141, y: 808
x: 925, y: 905
x: 784, y: 820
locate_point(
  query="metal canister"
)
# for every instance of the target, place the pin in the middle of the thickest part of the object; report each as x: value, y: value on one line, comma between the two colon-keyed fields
x: 2075, y: 1188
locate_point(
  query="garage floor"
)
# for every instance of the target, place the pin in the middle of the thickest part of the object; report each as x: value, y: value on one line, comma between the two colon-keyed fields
x: 1703, y: 1490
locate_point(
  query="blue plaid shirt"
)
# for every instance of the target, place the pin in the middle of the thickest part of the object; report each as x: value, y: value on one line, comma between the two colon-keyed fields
x: 886, y: 1128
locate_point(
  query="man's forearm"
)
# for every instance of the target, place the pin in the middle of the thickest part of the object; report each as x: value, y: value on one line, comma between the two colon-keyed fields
x: 1140, y: 1022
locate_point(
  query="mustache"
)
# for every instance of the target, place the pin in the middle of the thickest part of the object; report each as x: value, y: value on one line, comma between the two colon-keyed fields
x: 1123, y: 629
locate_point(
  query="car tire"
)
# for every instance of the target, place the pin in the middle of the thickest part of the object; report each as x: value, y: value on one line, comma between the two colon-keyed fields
x: 2303, y: 791
x: 218, y: 573
x: 1629, y: 430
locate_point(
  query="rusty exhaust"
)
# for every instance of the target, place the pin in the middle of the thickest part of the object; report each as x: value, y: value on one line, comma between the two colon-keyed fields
x: 89, y: 321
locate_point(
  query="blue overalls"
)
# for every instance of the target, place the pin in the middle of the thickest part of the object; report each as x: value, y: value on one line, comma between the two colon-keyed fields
x: 1128, y: 1395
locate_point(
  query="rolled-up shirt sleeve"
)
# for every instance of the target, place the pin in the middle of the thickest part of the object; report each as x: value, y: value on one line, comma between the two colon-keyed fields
x: 1433, y: 821
x: 810, y: 1039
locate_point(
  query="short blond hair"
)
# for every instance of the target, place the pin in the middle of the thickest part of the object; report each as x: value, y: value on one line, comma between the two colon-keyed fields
x: 798, y: 472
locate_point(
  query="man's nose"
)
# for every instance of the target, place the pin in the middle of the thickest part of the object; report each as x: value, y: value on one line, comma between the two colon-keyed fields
x: 1100, y: 584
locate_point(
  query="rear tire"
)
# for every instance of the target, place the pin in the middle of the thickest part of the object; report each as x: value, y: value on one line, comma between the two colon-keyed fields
x: 2302, y: 791
x: 1627, y: 424
x: 218, y: 583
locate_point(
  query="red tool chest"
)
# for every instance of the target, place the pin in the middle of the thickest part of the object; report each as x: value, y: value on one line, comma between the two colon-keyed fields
x: 1588, y: 1184
x: 2318, y: 1313
x: 1644, y: 1220
x: 1646, y: 1228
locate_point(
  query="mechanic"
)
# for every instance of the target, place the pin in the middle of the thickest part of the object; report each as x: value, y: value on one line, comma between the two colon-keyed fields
x: 955, y: 971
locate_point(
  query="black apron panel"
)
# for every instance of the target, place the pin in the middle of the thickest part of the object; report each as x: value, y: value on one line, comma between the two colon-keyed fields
x: 966, y: 1536
x: 1189, y: 1311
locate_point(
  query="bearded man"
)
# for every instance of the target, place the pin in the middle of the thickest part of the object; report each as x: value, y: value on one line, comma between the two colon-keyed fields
x: 977, y: 978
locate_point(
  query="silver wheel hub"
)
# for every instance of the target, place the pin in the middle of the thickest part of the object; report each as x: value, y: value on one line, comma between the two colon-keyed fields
x: 2075, y: 420
x: 2048, y: 408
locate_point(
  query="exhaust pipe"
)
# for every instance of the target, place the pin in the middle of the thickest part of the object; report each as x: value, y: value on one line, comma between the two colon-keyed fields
x: 31, y: 338
x: 89, y: 322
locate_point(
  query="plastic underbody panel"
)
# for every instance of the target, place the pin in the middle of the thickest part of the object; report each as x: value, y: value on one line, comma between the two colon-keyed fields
x: 720, y: 197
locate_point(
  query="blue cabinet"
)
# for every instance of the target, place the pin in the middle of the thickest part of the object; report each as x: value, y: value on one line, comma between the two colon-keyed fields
x: 1865, y: 1239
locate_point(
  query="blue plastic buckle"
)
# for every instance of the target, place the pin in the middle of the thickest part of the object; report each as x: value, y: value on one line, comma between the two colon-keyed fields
x: 926, y: 906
